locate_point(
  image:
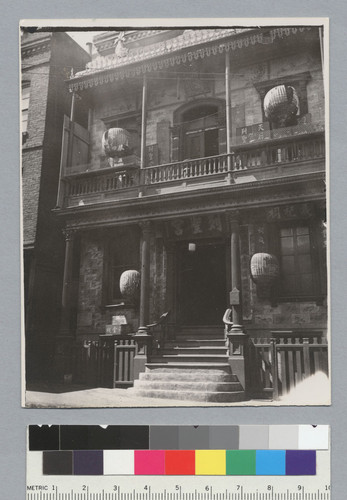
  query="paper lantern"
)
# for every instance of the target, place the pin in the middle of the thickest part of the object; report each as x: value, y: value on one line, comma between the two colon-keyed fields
x: 281, y: 104
x: 116, y: 142
x: 264, y: 269
x: 129, y: 285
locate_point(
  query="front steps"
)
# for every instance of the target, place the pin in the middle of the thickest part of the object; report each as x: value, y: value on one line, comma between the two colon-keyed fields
x: 194, y: 367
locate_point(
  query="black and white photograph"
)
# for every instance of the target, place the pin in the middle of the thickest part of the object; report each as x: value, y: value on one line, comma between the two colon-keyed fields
x: 175, y: 216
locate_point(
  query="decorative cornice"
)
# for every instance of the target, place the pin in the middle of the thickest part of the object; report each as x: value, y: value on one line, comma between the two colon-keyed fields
x: 191, y: 45
x: 36, y: 47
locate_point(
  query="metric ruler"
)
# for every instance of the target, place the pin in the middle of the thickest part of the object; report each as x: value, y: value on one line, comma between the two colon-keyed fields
x: 183, y: 488
x: 208, y: 492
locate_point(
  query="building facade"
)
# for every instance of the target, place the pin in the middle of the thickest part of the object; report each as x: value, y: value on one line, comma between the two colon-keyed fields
x: 46, y: 62
x: 201, y: 175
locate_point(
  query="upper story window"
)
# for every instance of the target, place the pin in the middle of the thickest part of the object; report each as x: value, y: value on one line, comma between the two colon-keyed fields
x: 284, y: 101
x: 199, y: 129
x: 281, y: 106
x: 25, y: 105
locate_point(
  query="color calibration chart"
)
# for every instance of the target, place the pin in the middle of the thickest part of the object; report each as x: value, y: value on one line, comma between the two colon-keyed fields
x: 235, y: 462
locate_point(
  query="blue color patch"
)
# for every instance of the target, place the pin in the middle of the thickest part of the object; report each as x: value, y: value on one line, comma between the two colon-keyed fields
x: 270, y: 462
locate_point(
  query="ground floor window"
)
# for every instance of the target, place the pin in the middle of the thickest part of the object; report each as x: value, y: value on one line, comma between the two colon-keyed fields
x: 296, y: 261
x: 301, y: 254
x: 122, y: 254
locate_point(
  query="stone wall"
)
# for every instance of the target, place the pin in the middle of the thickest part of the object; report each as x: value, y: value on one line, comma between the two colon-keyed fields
x: 90, y: 318
x: 258, y: 313
x: 158, y: 271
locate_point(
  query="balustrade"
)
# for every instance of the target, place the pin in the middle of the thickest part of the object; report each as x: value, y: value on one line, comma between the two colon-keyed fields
x: 106, y: 362
x: 253, y: 157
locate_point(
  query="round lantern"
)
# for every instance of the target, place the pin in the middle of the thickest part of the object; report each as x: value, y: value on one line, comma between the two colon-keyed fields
x: 264, y: 269
x: 116, y: 142
x: 129, y: 285
x: 281, y: 104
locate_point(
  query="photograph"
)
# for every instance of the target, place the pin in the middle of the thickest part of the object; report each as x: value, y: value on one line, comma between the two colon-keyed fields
x: 175, y: 213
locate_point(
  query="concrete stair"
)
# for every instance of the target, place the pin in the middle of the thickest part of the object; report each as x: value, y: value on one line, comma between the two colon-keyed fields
x: 192, y: 367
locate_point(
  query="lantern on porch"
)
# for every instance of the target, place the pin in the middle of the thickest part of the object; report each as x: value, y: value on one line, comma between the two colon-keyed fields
x: 116, y: 143
x: 129, y: 285
x: 264, y: 271
x: 281, y: 105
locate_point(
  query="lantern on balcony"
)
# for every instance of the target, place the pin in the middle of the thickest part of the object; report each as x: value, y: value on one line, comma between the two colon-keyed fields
x: 264, y: 271
x: 116, y: 143
x: 129, y: 285
x: 281, y: 105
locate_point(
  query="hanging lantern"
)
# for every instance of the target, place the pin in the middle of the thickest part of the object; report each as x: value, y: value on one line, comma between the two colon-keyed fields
x: 281, y: 104
x: 116, y: 143
x: 129, y: 285
x: 264, y: 269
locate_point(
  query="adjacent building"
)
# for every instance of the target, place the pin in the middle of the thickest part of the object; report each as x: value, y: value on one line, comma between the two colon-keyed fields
x: 196, y: 188
x: 46, y: 62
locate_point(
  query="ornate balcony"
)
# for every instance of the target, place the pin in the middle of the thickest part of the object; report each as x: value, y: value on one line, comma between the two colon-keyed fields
x: 283, y: 156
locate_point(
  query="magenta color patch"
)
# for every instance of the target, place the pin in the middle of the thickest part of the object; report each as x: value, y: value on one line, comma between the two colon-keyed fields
x: 149, y: 462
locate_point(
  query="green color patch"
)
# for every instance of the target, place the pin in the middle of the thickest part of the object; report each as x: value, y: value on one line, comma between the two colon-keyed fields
x: 240, y: 462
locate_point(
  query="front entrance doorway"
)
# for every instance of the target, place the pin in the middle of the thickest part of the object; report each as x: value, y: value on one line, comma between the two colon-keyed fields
x: 202, y: 283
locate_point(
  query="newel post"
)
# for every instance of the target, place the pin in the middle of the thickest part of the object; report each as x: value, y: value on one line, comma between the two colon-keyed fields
x: 143, y: 341
x: 237, y: 339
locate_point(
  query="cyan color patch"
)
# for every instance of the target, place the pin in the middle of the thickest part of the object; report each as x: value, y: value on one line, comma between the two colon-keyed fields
x: 270, y: 463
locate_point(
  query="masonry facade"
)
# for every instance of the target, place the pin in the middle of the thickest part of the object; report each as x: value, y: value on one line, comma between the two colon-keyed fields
x: 201, y: 175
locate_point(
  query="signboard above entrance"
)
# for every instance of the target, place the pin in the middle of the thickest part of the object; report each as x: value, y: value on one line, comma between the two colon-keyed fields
x: 198, y: 226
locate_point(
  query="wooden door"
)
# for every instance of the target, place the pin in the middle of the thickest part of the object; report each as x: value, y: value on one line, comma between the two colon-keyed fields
x: 202, y: 296
x: 194, y: 145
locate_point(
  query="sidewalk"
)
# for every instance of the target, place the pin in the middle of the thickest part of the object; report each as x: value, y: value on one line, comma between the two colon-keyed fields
x: 80, y: 397
x: 314, y: 390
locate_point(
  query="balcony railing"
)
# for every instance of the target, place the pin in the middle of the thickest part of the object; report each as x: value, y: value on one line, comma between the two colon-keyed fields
x: 247, y: 162
x: 102, y: 182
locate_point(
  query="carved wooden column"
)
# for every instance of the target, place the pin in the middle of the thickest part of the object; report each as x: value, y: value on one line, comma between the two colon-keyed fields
x: 143, y: 137
x: 144, y: 122
x: 170, y: 291
x: 143, y: 341
x: 237, y: 339
x: 63, y: 358
x: 66, y: 299
x: 228, y: 113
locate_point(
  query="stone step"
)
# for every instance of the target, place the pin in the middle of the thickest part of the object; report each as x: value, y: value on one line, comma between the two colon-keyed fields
x: 201, y: 335
x: 168, y: 358
x: 197, y: 367
x: 213, y: 397
x: 189, y: 375
x: 196, y: 385
x: 178, y: 350
x: 196, y: 342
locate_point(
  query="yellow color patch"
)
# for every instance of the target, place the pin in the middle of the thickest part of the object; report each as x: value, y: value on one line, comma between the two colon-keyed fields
x: 210, y: 462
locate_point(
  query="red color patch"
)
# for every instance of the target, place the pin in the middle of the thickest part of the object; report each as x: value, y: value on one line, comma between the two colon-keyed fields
x: 180, y: 462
